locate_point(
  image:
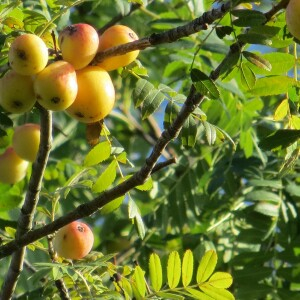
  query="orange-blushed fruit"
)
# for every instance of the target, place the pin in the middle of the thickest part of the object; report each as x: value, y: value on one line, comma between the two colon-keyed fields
x: 12, y: 167
x: 16, y: 92
x: 73, y: 241
x: 56, y: 86
x: 26, y: 141
x: 114, y: 36
x: 28, y: 54
x: 78, y: 44
x: 96, y: 95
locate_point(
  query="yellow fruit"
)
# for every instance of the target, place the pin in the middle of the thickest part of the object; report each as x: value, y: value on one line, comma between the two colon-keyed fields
x: 73, y: 241
x: 292, y: 15
x: 56, y: 86
x: 16, y: 92
x: 28, y: 54
x: 26, y: 141
x: 78, y: 44
x: 12, y: 167
x: 96, y: 95
x: 115, y: 36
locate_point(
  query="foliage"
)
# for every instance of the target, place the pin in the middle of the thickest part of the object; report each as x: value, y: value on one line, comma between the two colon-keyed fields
x: 233, y: 192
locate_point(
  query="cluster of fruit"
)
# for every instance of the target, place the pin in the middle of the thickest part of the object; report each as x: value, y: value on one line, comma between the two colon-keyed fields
x: 84, y: 91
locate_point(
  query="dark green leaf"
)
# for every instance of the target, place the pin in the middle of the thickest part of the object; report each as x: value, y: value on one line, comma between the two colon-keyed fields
x: 189, y: 132
x: 257, y: 60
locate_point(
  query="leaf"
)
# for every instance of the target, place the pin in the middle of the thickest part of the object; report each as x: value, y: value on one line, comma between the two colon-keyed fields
x: 198, y: 294
x: 254, y: 38
x: 139, y: 278
x: 261, y: 195
x: 272, y: 85
x: 106, y: 178
x: 99, y: 153
x: 189, y: 132
x: 216, y: 294
x: 173, y: 269
x: 267, y: 209
x: 280, y: 139
x: 221, y: 280
x: 248, y: 78
x: 151, y: 103
x: 146, y: 186
x: 140, y: 227
x: 155, y: 271
x: 112, y: 206
x: 248, y: 18
x: 171, y: 112
x: 210, y: 133
x: 204, y: 85
x: 141, y: 90
x: 187, y: 267
x: 281, y: 110
x: 206, y: 266
x: 257, y: 60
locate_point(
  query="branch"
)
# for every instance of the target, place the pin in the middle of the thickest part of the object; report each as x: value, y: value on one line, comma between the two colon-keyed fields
x: 169, y: 36
x: 87, y: 209
x: 28, y: 209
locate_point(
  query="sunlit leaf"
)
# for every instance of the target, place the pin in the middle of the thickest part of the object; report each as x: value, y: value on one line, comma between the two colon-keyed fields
x: 106, y: 178
x: 99, y: 153
x: 174, y: 269
x: 155, y: 271
x: 139, y: 278
x: 281, y: 110
x: 221, y: 280
x: 187, y: 267
x: 206, y: 266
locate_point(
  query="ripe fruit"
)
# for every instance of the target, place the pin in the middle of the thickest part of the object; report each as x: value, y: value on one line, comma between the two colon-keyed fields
x: 73, y: 241
x: 56, y: 86
x: 26, y: 141
x: 96, y: 95
x: 78, y: 44
x: 12, y: 167
x: 28, y: 54
x: 114, y: 36
x: 293, y: 18
x: 16, y: 92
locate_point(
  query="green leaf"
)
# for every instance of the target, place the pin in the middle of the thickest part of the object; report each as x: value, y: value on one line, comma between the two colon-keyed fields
x: 221, y: 280
x: 210, y: 133
x: 248, y: 78
x: 99, y: 153
x: 261, y: 195
x: 267, y: 209
x: 248, y: 18
x: 198, y: 294
x: 146, y: 186
x: 173, y: 269
x: 282, y: 110
x: 171, y: 112
x: 140, y: 227
x: 141, y: 90
x: 139, y: 278
x: 254, y: 38
x: 204, y: 85
x: 106, y: 178
x: 189, y: 132
x: 155, y: 271
x: 257, y: 60
x: 280, y: 139
x: 206, y: 266
x: 151, y: 103
x: 229, y: 63
x: 272, y: 85
x: 187, y: 267
x: 112, y: 206
x: 216, y: 294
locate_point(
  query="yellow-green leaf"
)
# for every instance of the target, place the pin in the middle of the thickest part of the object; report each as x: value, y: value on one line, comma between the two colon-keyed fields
x: 146, y: 186
x: 295, y: 122
x: 221, y: 280
x: 173, y: 269
x: 107, y: 177
x: 155, y: 272
x: 111, y: 206
x: 170, y: 296
x: 281, y: 110
x: 206, y: 266
x: 215, y: 293
x: 99, y: 153
x: 187, y: 267
x: 198, y: 294
x: 140, y: 280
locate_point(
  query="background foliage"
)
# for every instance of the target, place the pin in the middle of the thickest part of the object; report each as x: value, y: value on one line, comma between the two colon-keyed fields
x: 235, y: 185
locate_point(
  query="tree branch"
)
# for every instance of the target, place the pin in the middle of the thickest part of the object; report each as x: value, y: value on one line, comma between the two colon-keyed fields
x: 169, y: 36
x: 87, y: 209
x: 28, y: 209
